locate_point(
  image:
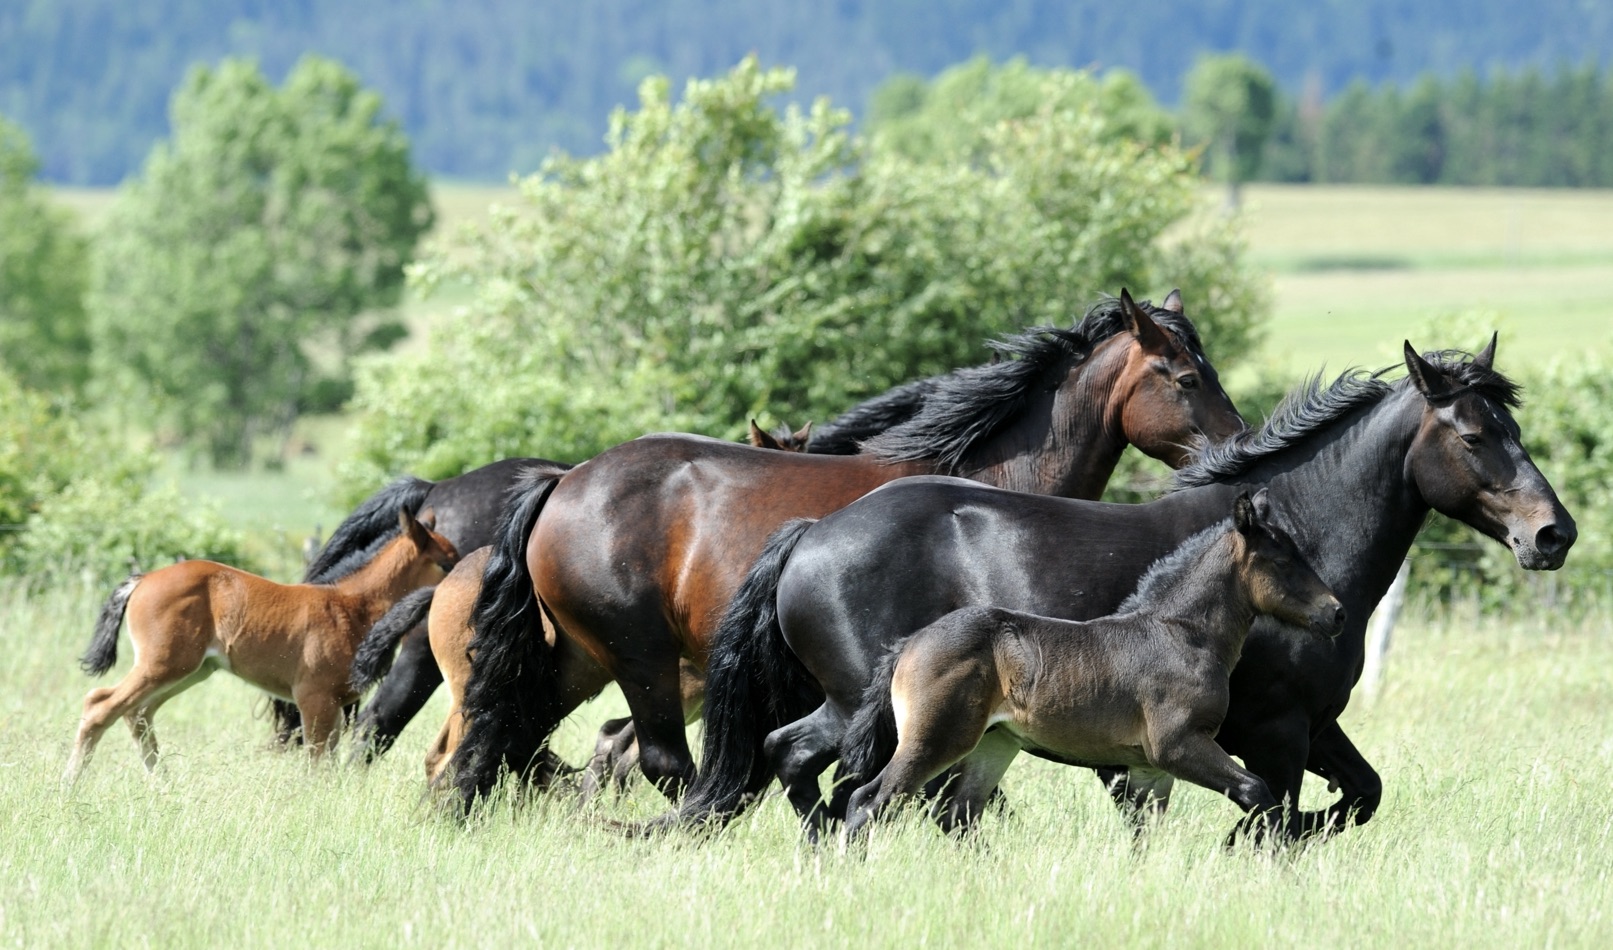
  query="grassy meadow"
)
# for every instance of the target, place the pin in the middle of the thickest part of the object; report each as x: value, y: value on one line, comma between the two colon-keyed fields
x: 1494, y: 738
x: 1495, y: 831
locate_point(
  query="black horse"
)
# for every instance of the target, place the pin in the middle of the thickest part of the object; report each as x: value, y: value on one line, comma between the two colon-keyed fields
x: 468, y: 508
x: 1353, y: 469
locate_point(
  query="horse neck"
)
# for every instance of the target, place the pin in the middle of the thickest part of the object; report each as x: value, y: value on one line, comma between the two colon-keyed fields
x: 1069, y: 442
x: 1209, y: 600
x: 1351, y: 506
x: 372, y: 589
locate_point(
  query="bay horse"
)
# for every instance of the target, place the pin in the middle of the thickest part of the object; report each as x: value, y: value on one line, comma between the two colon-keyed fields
x: 1353, y: 470
x: 1145, y: 687
x: 468, y: 508
x: 638, y: 551
x: 295, y: 641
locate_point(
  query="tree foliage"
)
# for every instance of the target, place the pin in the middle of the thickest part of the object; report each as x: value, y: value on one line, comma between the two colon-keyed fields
x: 1228, y: 104
x: 238, y: 274
x: 489, y: 87
x: 951, y: 118
x: 724, y: 259
x: 1524, y: 128
x: 44, y: 337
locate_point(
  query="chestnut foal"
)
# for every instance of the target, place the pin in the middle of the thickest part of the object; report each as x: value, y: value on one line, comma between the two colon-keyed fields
x: 1145, y: 687
x: 294, y: 641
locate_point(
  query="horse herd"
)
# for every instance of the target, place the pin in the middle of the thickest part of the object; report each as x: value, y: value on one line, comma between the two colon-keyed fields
x: 913, y: 594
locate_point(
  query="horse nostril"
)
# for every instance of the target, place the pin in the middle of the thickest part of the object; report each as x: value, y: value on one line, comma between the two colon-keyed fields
x: 1549, y: 540
x: 1339, y: 616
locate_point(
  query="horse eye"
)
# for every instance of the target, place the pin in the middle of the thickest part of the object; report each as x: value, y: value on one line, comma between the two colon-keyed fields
x: 1188, y: 381
x: 1471, y: 439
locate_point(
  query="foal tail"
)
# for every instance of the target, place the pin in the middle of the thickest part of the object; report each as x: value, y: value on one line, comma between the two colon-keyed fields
x: 103, y: 651
x: 870, y: 739
x: 511, y: 701
x: 754, y: 684
x: 375, y: 519
x: 374, y: 656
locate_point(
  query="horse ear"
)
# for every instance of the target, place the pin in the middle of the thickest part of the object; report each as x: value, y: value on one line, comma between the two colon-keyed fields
x: 1486, y: 358
x: 1429, y: 380
x: 1149, y: 336
x: 428, y: 518
x: 802, y: 436
x: 1173, y: 301
x: 761, y: 439
x: 1243, y: 515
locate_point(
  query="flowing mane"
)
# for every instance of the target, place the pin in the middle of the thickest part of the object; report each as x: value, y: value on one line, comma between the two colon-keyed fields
x: 1309, y: 409
x: 844, y: 434
x: 1164, y: 574
x: 966, y: 406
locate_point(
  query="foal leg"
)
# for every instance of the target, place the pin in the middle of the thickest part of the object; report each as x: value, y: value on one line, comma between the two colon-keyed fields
x: 977, y: 777
x: 105, y: 705
x: 1191, y: 754
x: 615, y: 755
x: 321, y: 710
x: 141, y: 717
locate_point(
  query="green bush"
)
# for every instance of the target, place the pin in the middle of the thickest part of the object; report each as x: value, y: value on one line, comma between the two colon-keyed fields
x: 723, y: 260
x: 75, y: 500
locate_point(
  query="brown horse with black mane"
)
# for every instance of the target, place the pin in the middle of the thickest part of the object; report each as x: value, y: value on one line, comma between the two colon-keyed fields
x: 638, y: 551
x: 294, y: 641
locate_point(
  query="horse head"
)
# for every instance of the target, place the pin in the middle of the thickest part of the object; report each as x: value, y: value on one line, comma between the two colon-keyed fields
x: 1468, y: 462
x: 1170, y: 397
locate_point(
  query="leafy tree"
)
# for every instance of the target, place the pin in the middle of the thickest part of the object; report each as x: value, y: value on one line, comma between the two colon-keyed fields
x: 44, y: 337
x: 237, y: 276
x: 1229, y: 104
x: 724, y: 260
x: 950, y: 118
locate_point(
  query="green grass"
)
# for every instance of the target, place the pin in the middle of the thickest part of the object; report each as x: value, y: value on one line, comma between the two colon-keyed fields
x: 1492, y: 741
x: 1355, y: 270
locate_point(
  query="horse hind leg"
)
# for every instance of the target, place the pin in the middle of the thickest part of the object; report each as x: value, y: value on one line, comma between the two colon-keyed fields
x: 615, y: 756
x: 105, y: 705
x: 798, y: 754
x: 976, y: 779
x: 141, y: 717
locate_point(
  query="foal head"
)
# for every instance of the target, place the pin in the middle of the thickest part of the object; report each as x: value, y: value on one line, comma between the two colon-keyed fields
x: 426, y: 555
x: 1170, y: 396
x: 1279, y: 580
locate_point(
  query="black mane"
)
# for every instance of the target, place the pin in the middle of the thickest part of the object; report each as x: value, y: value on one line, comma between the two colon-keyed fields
x: 1165, y: 573
x: 967, y: 406
x: 845, y: 434
x: 1310, y: 408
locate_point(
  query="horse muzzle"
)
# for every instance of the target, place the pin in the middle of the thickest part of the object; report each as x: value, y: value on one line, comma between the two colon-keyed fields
x: 1545, y: 548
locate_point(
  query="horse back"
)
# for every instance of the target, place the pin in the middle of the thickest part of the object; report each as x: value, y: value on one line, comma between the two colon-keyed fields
x: 919, y: 548
x: 668, y: 525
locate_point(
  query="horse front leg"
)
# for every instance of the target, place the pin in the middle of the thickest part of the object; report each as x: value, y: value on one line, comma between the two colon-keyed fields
x: 1334, y: 757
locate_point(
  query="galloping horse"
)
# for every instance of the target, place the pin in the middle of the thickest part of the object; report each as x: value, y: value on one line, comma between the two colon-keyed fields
x: 1145, y: 687
x: 295, y: 641
x: 1353, y: 470
x: 639, y: 550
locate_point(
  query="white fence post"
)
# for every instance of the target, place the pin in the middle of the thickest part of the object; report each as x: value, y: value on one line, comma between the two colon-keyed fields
x: 1380, y: 627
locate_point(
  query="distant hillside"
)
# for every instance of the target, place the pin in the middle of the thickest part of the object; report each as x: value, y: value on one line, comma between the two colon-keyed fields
x: 489, y: 86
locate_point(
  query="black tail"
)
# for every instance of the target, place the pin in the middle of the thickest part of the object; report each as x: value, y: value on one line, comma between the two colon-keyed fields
x: 103, y: 651
x: 512, y: 700
x: 754, y: 684
x: 870, y: 740
x: 375, y: 520
x: 375, y: 654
